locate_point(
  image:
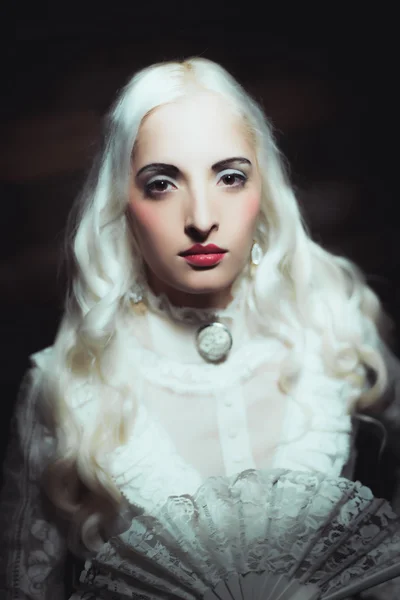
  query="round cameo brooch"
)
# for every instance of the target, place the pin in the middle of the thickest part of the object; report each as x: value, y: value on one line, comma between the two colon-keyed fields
x: 214, y: 342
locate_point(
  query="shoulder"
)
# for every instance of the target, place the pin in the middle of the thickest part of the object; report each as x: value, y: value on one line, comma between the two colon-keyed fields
x: 41, y: 358
x: 31, y: 383
x: 29, y: 387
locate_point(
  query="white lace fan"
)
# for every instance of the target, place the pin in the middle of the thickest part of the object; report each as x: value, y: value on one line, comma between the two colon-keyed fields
x: 261, y: 535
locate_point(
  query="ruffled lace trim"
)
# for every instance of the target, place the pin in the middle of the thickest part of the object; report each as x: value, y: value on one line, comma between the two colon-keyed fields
x: 204, y: 378
x: 161, y: 304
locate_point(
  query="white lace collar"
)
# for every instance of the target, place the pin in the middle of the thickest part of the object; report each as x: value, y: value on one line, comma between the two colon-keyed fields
x: 194, y: 316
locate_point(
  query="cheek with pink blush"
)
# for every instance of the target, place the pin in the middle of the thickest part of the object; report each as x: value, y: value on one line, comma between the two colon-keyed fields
x: 253, y: 204
x: 147, y: 219
x: 250, y: 209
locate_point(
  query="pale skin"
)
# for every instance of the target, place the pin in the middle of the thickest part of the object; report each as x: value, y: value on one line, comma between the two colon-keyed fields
x: 194, y: 180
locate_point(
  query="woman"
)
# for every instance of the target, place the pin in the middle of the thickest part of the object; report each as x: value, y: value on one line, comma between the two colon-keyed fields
x: 204, y: 332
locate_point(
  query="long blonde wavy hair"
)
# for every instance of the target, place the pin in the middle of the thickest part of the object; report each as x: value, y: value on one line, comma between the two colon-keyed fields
x: 298, y: 285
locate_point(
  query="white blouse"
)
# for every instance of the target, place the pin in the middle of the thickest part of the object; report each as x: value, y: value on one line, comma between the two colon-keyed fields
x: 196, y: 419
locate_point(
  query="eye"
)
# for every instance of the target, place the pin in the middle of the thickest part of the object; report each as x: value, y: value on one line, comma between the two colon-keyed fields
x: 158, y: 186
x: 232, y: 178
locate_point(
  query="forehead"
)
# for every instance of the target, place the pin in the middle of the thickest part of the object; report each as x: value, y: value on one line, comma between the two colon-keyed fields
x: 202, y: 126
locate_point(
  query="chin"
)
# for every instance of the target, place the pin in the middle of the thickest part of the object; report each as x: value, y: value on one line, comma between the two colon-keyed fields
x: 207, y: 282
x: 187, y: 286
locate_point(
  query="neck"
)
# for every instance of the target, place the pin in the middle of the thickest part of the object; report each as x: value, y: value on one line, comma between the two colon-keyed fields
x: 208, y: 300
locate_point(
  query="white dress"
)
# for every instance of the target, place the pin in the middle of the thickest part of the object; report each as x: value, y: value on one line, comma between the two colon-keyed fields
x: 194, y: 420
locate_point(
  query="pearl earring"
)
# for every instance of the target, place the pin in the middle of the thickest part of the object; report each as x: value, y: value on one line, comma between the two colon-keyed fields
x: 256, y: 256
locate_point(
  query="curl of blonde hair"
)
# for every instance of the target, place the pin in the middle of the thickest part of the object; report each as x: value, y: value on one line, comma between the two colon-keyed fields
x: 298, y: 285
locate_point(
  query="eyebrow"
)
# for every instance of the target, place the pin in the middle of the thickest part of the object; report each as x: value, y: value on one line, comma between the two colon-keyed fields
x: 159, y: 167
x: 173, y: 171
x: 227, y: 162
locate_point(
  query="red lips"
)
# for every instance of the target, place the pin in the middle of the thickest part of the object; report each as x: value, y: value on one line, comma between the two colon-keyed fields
x: 200, y: 249
x: 203, y: 256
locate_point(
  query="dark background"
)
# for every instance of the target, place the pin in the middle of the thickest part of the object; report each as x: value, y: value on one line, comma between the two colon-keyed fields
x: 326, y: 81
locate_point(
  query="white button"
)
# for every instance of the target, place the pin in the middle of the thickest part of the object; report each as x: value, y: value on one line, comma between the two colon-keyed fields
x: 237, y: 459
x: 228, y: 402
x: 232, y: 433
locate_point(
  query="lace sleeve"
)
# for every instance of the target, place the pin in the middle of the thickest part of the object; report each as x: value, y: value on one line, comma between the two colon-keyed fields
x: 389, y: 413
x: 33, y: 548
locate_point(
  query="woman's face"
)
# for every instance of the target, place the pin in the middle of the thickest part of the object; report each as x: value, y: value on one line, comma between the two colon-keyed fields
x: 194, y: 197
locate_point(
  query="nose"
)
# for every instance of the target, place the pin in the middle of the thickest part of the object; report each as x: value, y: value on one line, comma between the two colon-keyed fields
x: 201, y: 218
